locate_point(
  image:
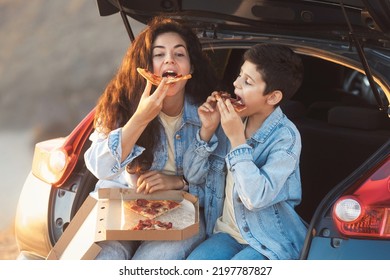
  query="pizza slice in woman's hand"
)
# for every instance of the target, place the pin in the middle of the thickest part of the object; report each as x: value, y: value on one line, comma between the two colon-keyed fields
x: 156, y: 80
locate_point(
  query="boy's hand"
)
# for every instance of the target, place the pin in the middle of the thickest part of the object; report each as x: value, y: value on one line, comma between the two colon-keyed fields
x: 209, y: 116
x: 231, y: 123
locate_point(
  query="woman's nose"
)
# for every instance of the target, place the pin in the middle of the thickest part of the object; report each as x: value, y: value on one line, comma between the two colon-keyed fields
x: 235, y: 83
x: 169, y: 60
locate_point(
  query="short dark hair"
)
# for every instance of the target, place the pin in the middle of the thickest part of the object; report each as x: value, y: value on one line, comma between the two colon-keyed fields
x: 280, y: 67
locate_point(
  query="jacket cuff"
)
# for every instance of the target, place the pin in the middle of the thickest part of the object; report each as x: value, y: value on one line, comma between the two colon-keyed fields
x: 241, y: 153
x: 204, y: 148
x: 115, y: 147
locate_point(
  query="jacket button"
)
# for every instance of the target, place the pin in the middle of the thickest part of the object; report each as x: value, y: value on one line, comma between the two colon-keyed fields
x: 177, y: 136
x: 239, y: 200
x: 263, y: 247
x: 246, y: 229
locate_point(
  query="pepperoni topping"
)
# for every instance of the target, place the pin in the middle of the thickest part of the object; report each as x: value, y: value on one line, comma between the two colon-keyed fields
x: 172, y: 204
x: 136, y: 208
x: 156, y: 205
x: 151, y: 211
x: 163, y: 225
x: 142, y: 202
x: 149, y: 224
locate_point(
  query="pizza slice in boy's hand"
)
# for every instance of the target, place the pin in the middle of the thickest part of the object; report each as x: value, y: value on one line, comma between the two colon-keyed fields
x: 236, y: 102
x: 151, y: 208
x: 156, y: 80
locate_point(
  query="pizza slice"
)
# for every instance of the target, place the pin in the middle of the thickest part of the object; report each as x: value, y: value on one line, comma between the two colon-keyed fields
x: 149, y: 224
x: 151, y: 208
x: 156, y: 80
x: 237, y: 103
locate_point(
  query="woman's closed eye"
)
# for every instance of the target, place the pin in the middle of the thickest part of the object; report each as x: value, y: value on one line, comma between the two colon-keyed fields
x: 180, y: 54
x: 158, y: 54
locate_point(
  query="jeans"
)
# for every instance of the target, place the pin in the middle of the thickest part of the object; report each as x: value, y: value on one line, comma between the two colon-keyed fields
x: 222, y: 246
x: 116, y: 250
x: 170, y: 250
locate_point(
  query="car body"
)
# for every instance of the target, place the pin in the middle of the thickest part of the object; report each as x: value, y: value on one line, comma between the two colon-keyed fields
x: 341, y: 111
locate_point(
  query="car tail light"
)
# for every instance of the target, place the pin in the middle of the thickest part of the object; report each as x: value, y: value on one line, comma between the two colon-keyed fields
x: 366, y: 211
x: 54, y: 160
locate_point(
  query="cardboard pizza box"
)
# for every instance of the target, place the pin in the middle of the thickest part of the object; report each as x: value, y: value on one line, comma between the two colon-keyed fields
x: 102, y: 217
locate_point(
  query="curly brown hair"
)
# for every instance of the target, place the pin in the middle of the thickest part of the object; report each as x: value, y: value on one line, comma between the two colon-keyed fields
x: 122, y: 94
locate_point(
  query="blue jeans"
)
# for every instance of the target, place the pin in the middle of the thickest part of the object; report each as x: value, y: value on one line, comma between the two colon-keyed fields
x: 222, y: 246
x: 170, y: 250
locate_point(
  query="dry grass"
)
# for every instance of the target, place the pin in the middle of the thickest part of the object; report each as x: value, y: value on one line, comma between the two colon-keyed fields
x: 8, y: 248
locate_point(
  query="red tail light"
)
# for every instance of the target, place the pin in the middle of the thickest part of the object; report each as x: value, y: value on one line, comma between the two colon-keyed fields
x: 54, y: 160
x: 366, y: 212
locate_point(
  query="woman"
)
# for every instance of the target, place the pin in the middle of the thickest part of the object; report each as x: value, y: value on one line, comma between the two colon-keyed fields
x: 153, y: 126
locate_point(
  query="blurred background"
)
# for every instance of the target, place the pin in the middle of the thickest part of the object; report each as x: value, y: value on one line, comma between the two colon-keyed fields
x: 56, y: 58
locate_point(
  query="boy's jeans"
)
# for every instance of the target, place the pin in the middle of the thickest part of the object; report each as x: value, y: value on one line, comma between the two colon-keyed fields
x: 221, y: 246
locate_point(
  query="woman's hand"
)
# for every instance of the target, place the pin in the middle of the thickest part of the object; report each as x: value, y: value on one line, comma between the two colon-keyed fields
x: 150, y: 105
x: 152, y: 181
x: 148, y: 108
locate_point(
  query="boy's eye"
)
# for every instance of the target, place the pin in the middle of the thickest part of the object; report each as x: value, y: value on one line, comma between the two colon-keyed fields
x: 248, y: 82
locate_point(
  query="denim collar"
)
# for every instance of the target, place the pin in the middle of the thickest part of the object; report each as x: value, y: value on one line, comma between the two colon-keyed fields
x: 190, y: 114
x: 269, y: 125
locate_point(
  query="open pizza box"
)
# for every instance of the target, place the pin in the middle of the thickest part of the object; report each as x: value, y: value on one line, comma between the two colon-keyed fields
x: 103, y: 217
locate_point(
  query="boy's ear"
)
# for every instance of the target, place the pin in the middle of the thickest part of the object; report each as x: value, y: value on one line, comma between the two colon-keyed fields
x: 274, y: 97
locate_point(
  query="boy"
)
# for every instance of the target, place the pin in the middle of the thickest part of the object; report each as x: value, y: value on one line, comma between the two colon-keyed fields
x: 250, y: 182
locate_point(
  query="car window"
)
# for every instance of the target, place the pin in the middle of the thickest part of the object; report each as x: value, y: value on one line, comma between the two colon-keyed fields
x: 325, y: 82
x: 357, y: 84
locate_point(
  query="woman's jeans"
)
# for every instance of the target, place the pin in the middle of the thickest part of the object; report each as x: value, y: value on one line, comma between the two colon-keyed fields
x: 221, y: 246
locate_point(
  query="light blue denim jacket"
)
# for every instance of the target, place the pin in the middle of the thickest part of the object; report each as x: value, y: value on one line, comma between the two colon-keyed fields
x: 267, y: 185
x: 103, y: 158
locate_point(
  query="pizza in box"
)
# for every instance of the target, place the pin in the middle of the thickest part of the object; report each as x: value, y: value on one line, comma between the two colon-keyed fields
x: 150, y: 210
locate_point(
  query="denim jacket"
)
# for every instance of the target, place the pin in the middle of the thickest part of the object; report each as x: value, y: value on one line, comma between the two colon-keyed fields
x: 267, y: 185
x: 103, y: 158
